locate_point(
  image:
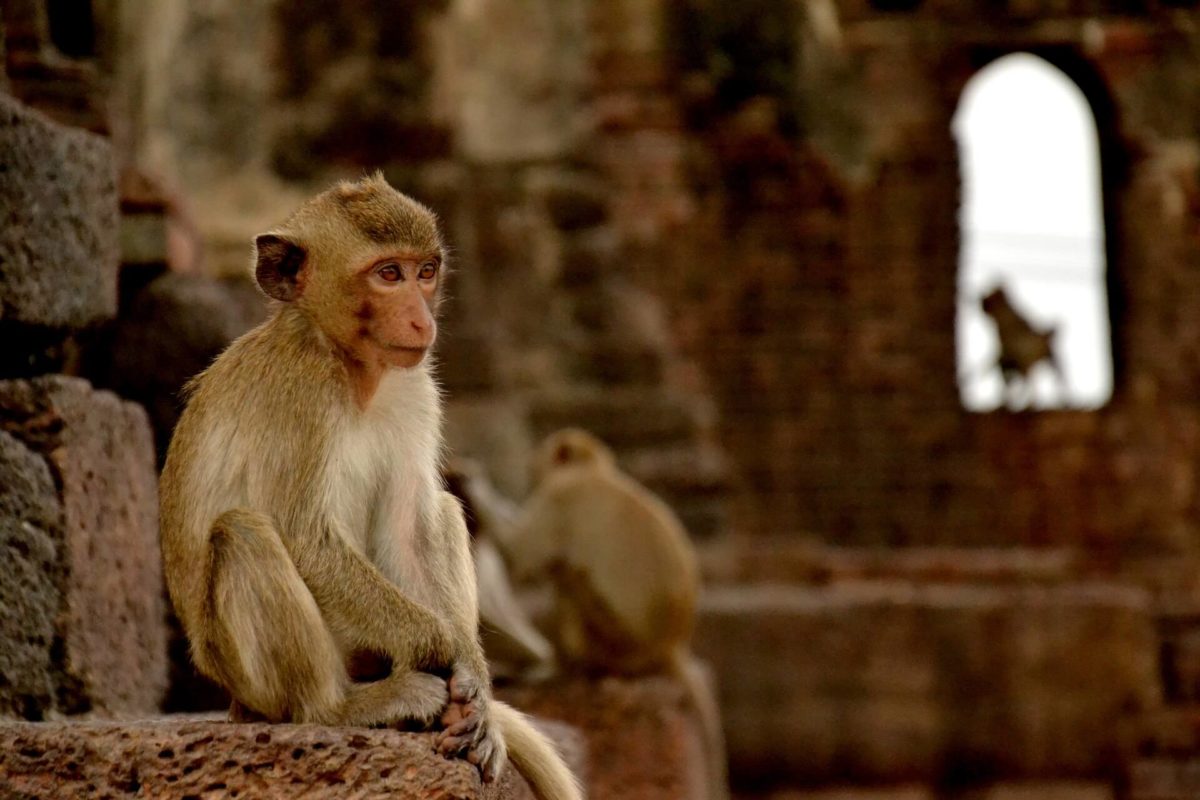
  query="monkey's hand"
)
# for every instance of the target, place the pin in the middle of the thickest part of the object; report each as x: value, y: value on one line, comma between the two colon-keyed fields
x: 468, y: 726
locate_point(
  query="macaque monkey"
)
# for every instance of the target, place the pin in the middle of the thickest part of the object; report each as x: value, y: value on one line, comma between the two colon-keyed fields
x: 321, y: 573
x: 1022, y: 347
x: 513, y: 644
x: 625, y: 574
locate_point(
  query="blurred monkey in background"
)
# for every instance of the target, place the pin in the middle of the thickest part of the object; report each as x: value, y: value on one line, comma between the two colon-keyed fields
x: 624, y: 571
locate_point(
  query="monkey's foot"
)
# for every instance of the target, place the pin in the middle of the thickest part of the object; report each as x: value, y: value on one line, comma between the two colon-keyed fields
x: 468, y: 729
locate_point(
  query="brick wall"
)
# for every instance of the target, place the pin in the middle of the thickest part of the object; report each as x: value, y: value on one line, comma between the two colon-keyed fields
x: 805, y: 238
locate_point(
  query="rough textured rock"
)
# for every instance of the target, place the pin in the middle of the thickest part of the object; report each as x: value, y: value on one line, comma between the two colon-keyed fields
x: 30, y: 529
x: 58, y: 222
x: 98, y: 447
x: 896, y: 681
x: 201, y: 759
x: 642, y: 741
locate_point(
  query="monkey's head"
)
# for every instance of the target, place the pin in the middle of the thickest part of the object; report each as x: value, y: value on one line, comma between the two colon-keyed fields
x: 363, y: 262
x: 571, y: 447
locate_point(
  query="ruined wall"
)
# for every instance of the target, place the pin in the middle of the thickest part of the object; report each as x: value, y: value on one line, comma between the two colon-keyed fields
x: 808, y: 237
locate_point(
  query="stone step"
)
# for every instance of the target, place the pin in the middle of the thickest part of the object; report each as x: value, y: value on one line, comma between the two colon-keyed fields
x: 890, y: 681
x: 790, y: 559
x: 192, y: 757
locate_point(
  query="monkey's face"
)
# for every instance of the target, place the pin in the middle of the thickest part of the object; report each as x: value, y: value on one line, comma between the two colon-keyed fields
x: 364, y: 263
x: 394, y: 301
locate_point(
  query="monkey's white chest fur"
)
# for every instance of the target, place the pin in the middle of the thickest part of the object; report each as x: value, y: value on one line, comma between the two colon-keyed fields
x: 382, y: 471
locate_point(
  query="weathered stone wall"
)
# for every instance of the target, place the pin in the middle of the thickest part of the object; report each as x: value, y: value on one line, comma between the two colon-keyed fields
x: 805, y: 233
x: 88, y: 559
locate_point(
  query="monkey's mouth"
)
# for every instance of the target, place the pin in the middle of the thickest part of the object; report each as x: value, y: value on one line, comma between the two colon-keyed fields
x: 400, y: 348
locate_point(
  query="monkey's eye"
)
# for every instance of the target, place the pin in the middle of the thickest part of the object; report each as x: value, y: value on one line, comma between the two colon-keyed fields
x: 390, y: 273
x: 428, y: 271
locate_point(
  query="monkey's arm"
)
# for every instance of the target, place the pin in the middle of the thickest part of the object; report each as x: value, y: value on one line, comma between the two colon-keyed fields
x: 363, y: 606
x: 468, y: 720
x: 461, y: 593
x: 532, y: 545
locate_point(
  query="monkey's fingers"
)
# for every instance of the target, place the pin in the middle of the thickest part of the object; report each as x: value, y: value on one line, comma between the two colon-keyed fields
x: 454, y: 713
x: 453, y: 746
x: 486, y: 756
x: 460, y: 737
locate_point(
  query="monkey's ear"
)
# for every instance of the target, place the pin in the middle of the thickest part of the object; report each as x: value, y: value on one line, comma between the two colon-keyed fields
x: 278, y: 266
x: 562, y: 454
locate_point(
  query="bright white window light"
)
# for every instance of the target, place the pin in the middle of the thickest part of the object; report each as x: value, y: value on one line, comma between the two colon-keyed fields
x: 1032, y: 221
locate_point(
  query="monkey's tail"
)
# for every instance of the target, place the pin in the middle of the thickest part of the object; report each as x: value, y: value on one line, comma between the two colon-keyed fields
x: 701, y: 695
x: 534, y: 756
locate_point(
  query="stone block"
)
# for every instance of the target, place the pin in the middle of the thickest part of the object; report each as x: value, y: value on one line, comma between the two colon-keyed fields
x: 58, y: 241
x: 643, y: 742
x: 110, y: 650
x: 894, y: 681
x: 30, y: 529
x: 180, y: 758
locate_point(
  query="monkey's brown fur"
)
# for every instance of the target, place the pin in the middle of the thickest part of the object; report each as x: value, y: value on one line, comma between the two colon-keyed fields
x: 625, y: 572
x: 304, y: 528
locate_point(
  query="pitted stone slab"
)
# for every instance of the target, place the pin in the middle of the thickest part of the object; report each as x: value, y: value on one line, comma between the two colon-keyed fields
x: 111, y: 627
x: 58, y: 222
x: 190, y: 757
x: 30, y: 594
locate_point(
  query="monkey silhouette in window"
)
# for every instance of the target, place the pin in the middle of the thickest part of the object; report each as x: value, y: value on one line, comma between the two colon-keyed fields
x: 1022, y: 347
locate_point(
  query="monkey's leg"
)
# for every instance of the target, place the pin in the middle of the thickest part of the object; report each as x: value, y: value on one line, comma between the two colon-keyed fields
x: 273, y: 649
x: 267, y: 643
x: 405, y: 695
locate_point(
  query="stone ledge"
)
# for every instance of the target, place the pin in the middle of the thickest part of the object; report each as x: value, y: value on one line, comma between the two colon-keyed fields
x: 894, y: 682
x: 197, y: 758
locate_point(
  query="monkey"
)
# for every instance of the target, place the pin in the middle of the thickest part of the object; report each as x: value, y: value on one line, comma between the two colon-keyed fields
x: 625, y: 574
x: 320, y: 571
x: 1022, y: 347
x: 513, y: 644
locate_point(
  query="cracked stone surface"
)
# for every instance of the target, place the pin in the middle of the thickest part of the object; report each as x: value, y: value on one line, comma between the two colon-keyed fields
x: 199, y: 758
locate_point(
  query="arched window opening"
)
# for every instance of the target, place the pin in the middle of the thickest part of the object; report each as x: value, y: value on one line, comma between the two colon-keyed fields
x: 1032, y: 323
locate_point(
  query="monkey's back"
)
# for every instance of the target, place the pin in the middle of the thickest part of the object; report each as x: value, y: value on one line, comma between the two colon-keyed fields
x: 635, y: 554
x: 248, y: 421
